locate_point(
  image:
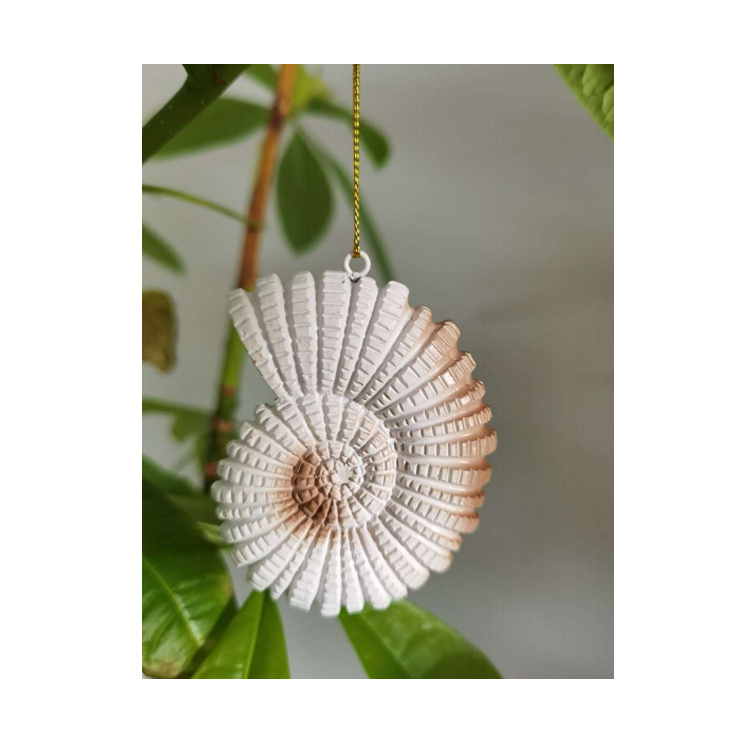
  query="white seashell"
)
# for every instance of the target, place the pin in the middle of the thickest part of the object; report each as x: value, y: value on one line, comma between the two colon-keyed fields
x: 363, y: 474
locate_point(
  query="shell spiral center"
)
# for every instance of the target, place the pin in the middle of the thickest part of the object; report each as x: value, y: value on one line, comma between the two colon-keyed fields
x: 346, y: 484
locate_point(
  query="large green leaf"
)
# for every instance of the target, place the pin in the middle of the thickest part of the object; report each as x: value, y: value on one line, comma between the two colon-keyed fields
x: 373, y: 140
x: 158, y: 250
x: 186, y: 587
x: 405, y: 641
x: 204, y: 84
x: 303, y: 195
x: 199, y: 507
x: 159, y: 329
x: 252, y: 647
x: 594, y: 87
x: 226, y: 121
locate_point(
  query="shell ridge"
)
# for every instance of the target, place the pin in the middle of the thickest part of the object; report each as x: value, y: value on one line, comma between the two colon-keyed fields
x: 392, y: 582
x: 373, y: 587
x: 271, y: 423
x: 469, y: 396
x: 305, y: 329
x: 253, y: 430
x: 330, y: 590
x: 334, y: 298
x: 437, y: 339
x: 252, y: 550
x: 283, y: 581
x: 410, y: 571
x: 392, y: 296
x: 430, y: 554
x: 289, y: 329
x: 271, y: 300
x: 245, y: 321
x: 417, y: 315
x: 305, y: 585
x: 455, y: 372
x: 353, y: 597
x: 266, y: 572
x: 361, y: 307
x: 289, y: 413
x: 415, y: 336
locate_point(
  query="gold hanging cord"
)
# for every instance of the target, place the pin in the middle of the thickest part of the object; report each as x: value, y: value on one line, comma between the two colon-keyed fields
x: 355, y: 129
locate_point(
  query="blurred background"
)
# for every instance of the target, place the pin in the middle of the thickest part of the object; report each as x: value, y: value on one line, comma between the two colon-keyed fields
x: 496, y: 207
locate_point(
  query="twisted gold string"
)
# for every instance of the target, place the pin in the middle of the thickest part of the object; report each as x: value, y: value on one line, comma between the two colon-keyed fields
x: 355, y: 129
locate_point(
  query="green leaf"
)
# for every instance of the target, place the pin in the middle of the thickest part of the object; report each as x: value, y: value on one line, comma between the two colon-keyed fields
x: 179, y: 195
x: 159, y: 330
x: 226, y: 121
x: 373, y: 140
x: 204, y: 84
x: 266, y: 75
x: 188, y: 421
x: 307, y: 88
x: 594, y: 87
x: 158, y: 250
x: 405, y: 641
x: 303, y: 195
x: 186, y: 587
x: 252, y: 647
x: 373, y: 242
x: 199, y: 507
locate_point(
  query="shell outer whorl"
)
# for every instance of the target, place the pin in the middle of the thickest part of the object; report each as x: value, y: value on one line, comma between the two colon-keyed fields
x: 364, y: 473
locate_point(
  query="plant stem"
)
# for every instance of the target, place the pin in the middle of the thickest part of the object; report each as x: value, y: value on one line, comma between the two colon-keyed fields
x: 204, y: 84
x: 234, y: 352
x: 179, y: 195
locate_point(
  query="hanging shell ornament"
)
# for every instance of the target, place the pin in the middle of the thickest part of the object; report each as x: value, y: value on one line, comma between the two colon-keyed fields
x: 361, y: 477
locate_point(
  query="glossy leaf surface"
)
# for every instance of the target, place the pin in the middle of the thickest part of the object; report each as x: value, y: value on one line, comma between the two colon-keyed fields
x: 186, y: 587
x: 252, y: 647
x: 405, y: 641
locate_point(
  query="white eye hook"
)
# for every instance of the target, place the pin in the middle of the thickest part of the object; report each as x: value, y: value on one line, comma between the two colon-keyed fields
x: 355, y: 276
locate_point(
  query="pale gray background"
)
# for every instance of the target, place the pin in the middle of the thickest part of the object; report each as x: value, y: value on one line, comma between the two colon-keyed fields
x: 497, y: 209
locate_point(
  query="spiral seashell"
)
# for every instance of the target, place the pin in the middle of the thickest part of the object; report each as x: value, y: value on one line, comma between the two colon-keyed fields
x: 363, y: 474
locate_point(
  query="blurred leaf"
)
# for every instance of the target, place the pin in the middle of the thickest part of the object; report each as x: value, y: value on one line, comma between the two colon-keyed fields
x: 594, y: 87
x: 405, y: 641
x: 252, y: 647
x: 179, y: 195
x: 307, y: 88
x: 373, y: 243
x: 303, y: 195
x: 188, y: 421
x: 226, y: 121
x: 159, y: 330
x: 158, y: 250
x: 266, y: 75
x: 203, y: 85
x: 200, y: 508
x: 186, y: 587
x: 166, y: 481
x: 373, y: 140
